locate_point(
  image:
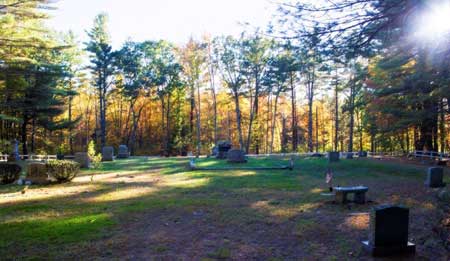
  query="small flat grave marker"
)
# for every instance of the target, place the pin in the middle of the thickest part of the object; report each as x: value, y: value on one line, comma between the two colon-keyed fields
x: 388, y: 231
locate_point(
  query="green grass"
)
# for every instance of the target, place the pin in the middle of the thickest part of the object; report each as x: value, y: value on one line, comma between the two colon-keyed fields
x: 92, y: 210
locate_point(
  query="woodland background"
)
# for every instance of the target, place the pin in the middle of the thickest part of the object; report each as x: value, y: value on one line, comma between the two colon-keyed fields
x: 357, y: 81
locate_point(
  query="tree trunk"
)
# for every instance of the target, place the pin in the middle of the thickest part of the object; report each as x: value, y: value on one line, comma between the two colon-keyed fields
x: 294, y: 115
x: 198, y: 122
x: 274, y: 117
x: 238, y: 119
x: 336, y: 115
x: 24, y: 136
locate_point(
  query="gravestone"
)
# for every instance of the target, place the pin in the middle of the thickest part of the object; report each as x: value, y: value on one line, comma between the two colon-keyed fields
x: 37, y: 174
x: 333, y: 156
x: 388, y: 231
x: 83, y: 159
x: 15, y: 151
x: 123, y: 152
x: 223, y: 148
x: 435, y: 177
x: 349, y: 155
x: 107, y: 153
x: 362, y: 154
x: 236, y: 156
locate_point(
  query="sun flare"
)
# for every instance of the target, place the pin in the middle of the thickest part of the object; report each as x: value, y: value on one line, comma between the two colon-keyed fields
x: 434, y: 23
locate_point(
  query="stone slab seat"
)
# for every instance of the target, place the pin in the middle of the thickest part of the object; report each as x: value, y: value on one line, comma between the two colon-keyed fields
x: 359, y: 193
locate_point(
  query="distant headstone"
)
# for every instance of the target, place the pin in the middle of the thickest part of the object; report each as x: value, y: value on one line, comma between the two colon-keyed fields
x: 107, y: 153
x: 236, y: 156
x: 435, y: 177
x: 388, y: 231
x: 223, y: 148
x: 317, y: 155
x: 362, y: 154
x: 349, y: 155
x: 37, y: 174
x: 123, y: 152
x: 83, y: 159
x: 15, y: 151
x: 333, y: 156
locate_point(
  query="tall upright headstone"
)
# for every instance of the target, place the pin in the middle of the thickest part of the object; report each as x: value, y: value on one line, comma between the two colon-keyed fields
x: 435, y: 176
x: 107, y: 153
x: 388, y: 231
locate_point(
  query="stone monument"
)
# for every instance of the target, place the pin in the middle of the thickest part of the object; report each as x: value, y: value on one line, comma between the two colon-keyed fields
x: 236, y: 156
x: 83, y: 159
x: 223, y: 148
x: 388, y: 231
x: 107, y: 153
x: 123, y: 152
x: 333, y: 156
x: 15, y: 151
x: 435, y: 177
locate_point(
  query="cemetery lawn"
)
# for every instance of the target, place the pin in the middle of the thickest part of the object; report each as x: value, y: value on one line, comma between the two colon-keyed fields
x: 154, y: 208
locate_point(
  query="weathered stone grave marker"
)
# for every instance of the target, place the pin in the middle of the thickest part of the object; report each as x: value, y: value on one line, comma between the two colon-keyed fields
x: 83, y: 159
x: 107, y: 153
x: 388, y: 231
x: 223, y: 148
x: 236, y: 156
x: 435, y: 176
x: 123, y: 152
x: 333, y: 156
x: 362, y: 154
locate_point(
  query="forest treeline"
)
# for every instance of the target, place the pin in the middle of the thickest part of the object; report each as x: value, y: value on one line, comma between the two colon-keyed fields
x: 357, y: 80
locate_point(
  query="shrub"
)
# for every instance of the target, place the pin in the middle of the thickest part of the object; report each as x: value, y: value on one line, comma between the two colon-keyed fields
x: 63, y: 170
x: 96, y: 158
x: 9, y: 173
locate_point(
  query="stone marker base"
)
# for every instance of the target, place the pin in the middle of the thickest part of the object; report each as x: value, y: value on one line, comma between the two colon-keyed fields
x: 441, y: 185
x: 409, y: 249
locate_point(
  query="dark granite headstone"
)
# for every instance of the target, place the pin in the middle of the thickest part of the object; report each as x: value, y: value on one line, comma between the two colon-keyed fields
x: 333, y: 156
x: 123, y: 152
x: 223, y: 148
x: 317, y: 155
x: 236, y: 156
x: 362, y: 154
x: 107, y: 153
x: 83, y: 159
x: 435, y: 177
x: 349, y: 155
x: 388, y: 231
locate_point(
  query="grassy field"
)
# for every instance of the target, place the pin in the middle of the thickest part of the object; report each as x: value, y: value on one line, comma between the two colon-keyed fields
x: 154, y: 208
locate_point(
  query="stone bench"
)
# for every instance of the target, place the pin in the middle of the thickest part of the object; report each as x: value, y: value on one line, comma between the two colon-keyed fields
x: 359, y: 193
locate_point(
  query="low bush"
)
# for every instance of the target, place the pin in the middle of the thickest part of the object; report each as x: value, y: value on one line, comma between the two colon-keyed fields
x: 63, y: 170
x: 9, y: 173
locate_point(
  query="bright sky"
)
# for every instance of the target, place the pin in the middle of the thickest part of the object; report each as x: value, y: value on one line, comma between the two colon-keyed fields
x: 173, y: 20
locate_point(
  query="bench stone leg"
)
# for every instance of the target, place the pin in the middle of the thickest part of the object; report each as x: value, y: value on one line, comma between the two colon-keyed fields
x: 341, y: 197
x: 360, y: 198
